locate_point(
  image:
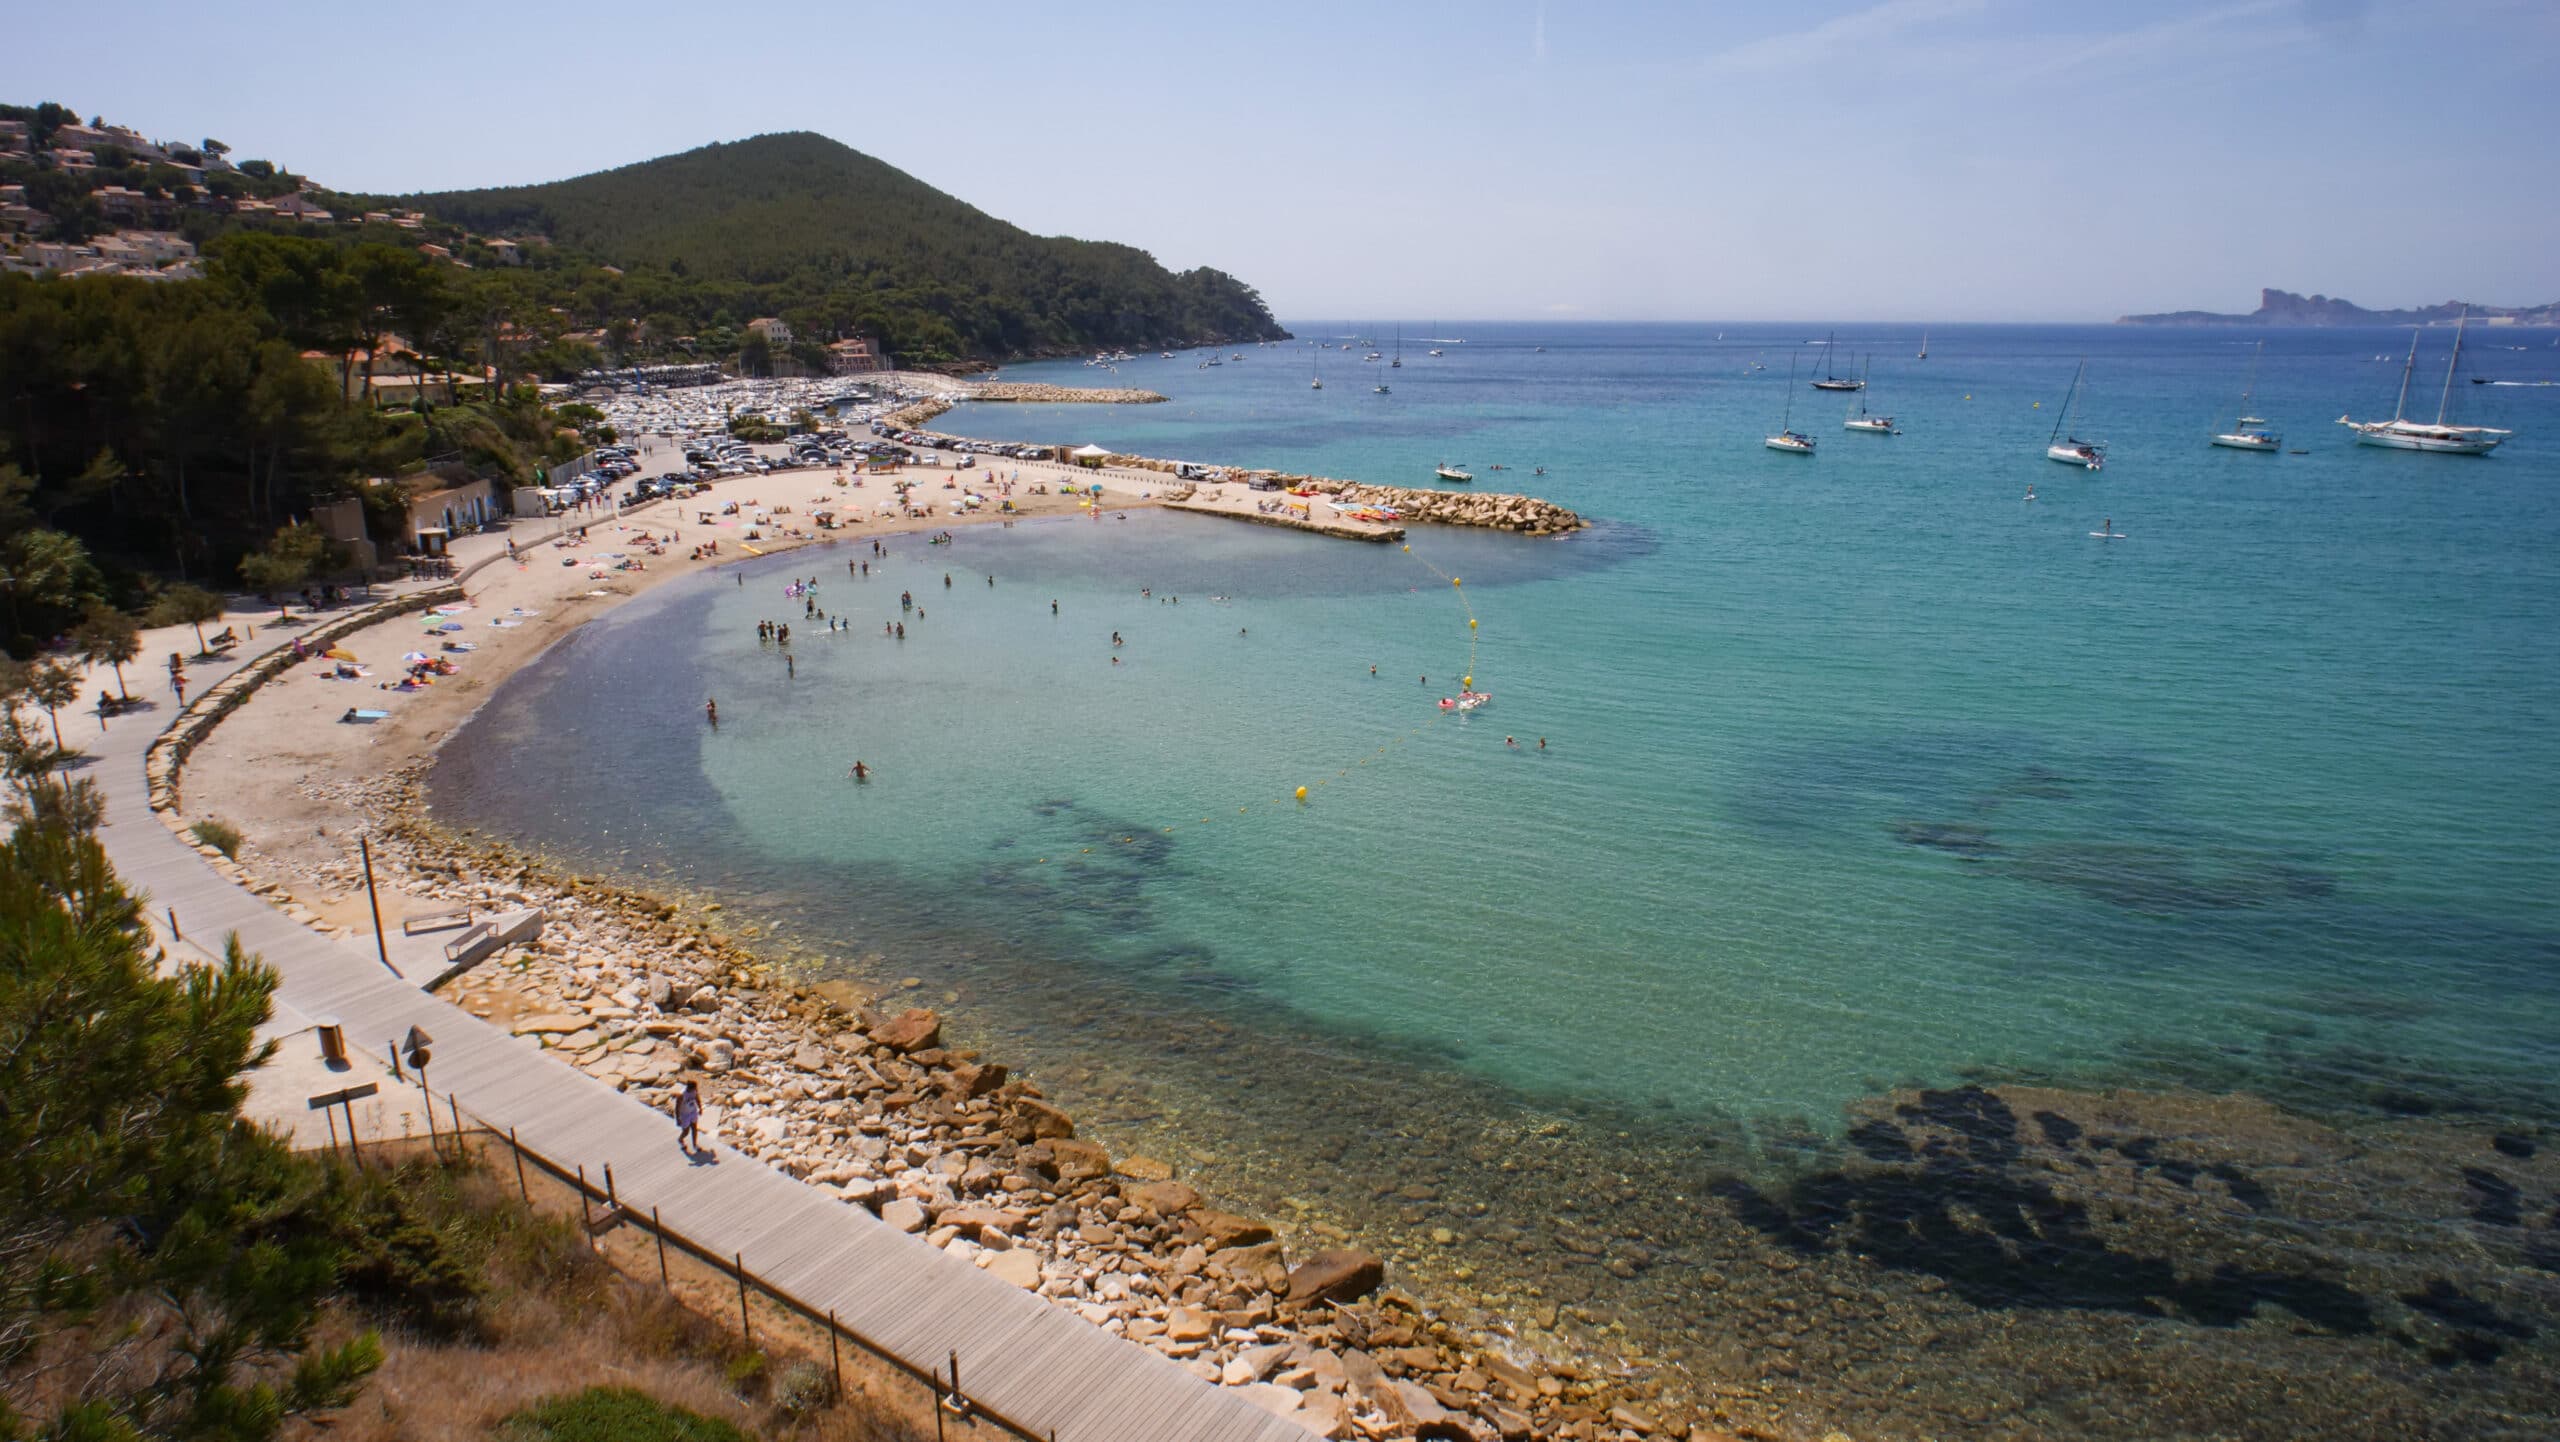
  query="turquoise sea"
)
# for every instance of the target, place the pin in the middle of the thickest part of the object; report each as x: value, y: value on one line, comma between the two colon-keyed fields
x: 2228, y: 844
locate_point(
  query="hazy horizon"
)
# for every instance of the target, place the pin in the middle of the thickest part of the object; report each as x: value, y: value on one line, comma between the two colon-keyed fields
x: 1912, y: 160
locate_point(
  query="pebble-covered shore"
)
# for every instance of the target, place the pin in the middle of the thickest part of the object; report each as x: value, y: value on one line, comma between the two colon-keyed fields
x: 860, y: 1094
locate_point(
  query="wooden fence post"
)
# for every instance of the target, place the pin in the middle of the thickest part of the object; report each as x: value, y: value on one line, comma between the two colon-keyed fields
x: 611, y: 1201
x: 746, y: 1328
x: 835, y: 1352
x: 518, y: 1148
x: 660, y: 1228
x: 586, y: 1214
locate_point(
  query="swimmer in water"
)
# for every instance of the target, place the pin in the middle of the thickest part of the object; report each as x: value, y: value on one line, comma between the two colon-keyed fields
x: 860, y: 772
x: 1542, y: 743
x: 1053, y: 608
x: 2031, y: 493
x: 1511, y: 741
x: 711, y: 713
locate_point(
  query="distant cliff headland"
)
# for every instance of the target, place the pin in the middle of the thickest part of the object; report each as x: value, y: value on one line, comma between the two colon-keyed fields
x: 2283, y: 307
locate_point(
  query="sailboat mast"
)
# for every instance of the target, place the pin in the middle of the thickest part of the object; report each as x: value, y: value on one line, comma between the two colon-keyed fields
x: 2067, y: 398
x: 2450, y: 366
x: 1787, y: 423
x: 2251, y: 389
x: 2406, y: 366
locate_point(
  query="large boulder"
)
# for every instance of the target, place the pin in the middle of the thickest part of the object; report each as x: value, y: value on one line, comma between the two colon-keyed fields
x: 976, y: 1079
x: 1035, y: 1120
x: 1166, y: 1199
x: 912, y: 1030
x: 1077, y: 1161
x: 1343, y: 1274
x: 1226, y: 1229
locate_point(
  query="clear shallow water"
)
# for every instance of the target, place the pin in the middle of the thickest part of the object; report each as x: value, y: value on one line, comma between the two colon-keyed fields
x: 1862, y: 772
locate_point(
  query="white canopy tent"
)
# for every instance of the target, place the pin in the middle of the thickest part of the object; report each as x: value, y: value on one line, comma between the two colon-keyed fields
x: 1089, y: 454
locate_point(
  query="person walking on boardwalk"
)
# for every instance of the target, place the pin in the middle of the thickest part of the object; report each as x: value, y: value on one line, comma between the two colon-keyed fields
x: 688, y: 1118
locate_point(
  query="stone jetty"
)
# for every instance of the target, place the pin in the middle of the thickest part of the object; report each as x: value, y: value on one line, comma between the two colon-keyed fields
x: 925, y: 409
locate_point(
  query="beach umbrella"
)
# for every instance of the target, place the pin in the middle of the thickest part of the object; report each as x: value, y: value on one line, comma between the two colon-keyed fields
x: 414, y: 657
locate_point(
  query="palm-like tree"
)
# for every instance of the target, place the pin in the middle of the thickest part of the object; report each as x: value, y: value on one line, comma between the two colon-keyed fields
x: 53, y: 686
x: 108, y: 636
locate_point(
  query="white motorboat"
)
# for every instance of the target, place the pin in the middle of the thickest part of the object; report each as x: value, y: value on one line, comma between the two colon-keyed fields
x: 2073, y: 451
x: 1438, y: 351
x: 1450, y: 471
x: 2249, y: 433
x: 2399, y: 433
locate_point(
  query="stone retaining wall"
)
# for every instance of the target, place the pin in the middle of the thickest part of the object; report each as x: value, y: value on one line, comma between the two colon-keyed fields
x: 168, y: 754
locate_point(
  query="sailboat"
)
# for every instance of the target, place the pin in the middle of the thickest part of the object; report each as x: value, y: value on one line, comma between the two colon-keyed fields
x: 2248, y: 433
x: 1398, y: 363
x: 1924, y: 347
x: 1880, y: 425
x: 2408, y: 435
x: 2074, y: 451
x: 1788, y: 438
x: 1830, y: 382
x: 1315, y: 372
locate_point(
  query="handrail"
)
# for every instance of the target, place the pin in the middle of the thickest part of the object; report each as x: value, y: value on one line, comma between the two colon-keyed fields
x: 575, y: 1176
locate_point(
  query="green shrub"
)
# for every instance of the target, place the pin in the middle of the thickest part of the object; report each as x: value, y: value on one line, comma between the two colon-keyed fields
x: 613, y: 1414
x: 746, y: 1373
x: 803, y: 1388
x: 222, y: 836
x: 405, y: 1260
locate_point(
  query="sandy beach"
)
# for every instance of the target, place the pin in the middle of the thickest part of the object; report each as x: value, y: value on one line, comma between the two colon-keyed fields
x: 642, y: 990
x: 246, y: 773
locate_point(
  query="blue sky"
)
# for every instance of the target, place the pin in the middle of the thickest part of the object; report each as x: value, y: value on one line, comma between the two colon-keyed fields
x: 1911, y: 159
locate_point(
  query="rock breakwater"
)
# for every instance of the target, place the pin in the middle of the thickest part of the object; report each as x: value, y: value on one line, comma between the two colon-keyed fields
x: 1525, y: 514
x: 914, y: 416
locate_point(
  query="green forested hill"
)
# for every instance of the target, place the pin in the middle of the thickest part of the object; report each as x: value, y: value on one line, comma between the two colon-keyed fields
x: 837, y: 242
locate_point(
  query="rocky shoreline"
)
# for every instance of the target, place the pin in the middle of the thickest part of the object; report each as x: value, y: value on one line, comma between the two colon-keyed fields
x: 859, y: 1093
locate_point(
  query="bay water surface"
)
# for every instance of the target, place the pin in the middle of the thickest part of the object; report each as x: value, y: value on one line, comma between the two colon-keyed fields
x: 1873, y: 910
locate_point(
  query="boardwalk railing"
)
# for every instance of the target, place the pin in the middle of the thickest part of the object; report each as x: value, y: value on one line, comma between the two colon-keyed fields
x: 943, y: 1381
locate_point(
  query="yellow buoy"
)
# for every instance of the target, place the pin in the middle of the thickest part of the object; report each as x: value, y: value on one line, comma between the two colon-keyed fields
x: 1302, y: 793
x: 1467, y: 681
x: 1455, y: 581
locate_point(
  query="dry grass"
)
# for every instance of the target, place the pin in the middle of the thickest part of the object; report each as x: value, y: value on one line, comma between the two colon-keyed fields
x: 559, y: 1317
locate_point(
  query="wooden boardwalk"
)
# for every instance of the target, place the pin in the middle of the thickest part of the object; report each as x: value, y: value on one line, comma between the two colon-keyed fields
x: 1027, y: 1363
